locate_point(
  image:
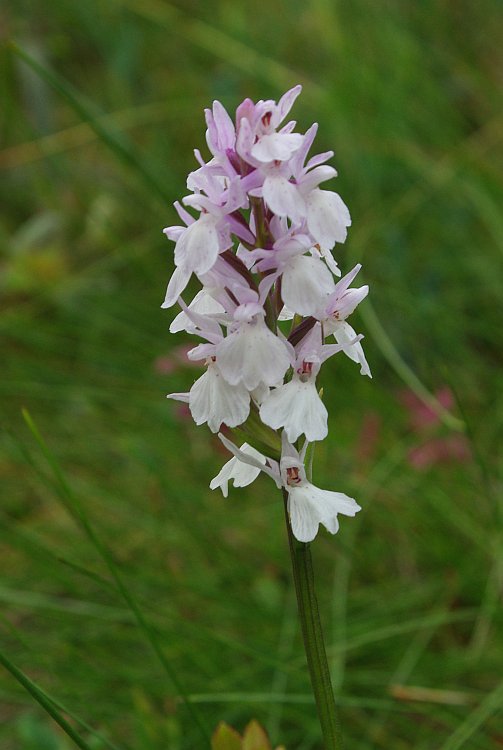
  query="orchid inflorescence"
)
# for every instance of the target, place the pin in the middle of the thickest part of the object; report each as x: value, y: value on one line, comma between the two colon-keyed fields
x: 261, y: 248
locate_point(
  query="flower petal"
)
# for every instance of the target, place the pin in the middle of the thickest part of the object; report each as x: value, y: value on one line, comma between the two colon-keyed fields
x: 305, y: 284
x: 287, y: 100
x: 276, y: 146
x: 224, y: 125
x: 214, y: 401
x: 198, y: 247
x: 177, y: 284
x: 253, y: 355
x: 183, y: 397
x: 329, y: 503
x: 297, y: 407
x: 304, y: 519
x: 327, y: 217
x: 345, y: 335
x: 203, y: 304
x: 310, y: 505
x: 270, y: 468
x: 283, y: 198
x: 242, y: 474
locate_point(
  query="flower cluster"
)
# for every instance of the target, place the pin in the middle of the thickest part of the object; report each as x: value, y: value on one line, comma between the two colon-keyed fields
x: 270, y: 310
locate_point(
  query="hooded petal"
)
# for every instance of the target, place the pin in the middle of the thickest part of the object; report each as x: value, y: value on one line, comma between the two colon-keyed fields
x: 349, y: 301
x: 344, y: 300
x: 276, y: 146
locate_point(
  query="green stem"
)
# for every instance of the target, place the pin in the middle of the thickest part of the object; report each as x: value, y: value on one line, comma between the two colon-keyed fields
x: 257, y: 205
x: 302, y: 566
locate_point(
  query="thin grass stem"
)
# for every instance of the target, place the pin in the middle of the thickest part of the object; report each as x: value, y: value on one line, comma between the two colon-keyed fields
x: 44, y: 701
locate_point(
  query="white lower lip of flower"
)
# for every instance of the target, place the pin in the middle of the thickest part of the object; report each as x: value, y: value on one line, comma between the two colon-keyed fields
x: 253, y: 355
x: 308, y: 506
x: 283, y: 198
x: 198, y: 247
x: 215, y: 401
x: 306, y: 281
x: 297, y: 407
x: 327, y: 217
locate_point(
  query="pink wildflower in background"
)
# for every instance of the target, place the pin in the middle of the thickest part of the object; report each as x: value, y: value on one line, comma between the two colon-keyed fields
x: 421, y: 415
x: 424, y: 421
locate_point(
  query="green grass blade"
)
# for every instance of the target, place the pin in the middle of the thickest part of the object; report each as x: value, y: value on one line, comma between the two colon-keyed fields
x: 378, y: 704
x: 76, y: 511
x: 43, y: 699
x: 402, y: 369
x: 32, y: 600
x: 492, y: 703
x: 82, y: 134
x: 87, y: 112
x: 218, y: 42
x: 377, y: 634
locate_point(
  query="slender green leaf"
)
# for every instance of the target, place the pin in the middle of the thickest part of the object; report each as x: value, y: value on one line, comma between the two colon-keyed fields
x: 492, y: 703
x: 111, y: 138
x: 43, y: 699
x: 76, y: 511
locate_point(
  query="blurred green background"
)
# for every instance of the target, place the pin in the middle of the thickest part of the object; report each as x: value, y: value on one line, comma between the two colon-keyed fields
x: 409, y: 96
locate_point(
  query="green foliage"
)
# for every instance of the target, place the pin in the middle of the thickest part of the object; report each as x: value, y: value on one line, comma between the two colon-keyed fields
x: 97, y: 135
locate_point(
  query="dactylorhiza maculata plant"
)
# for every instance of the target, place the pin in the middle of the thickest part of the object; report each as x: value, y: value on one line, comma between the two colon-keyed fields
x: 272, y: 307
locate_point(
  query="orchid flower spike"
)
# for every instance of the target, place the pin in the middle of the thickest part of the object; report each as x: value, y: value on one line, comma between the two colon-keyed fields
x: 258, y: 232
